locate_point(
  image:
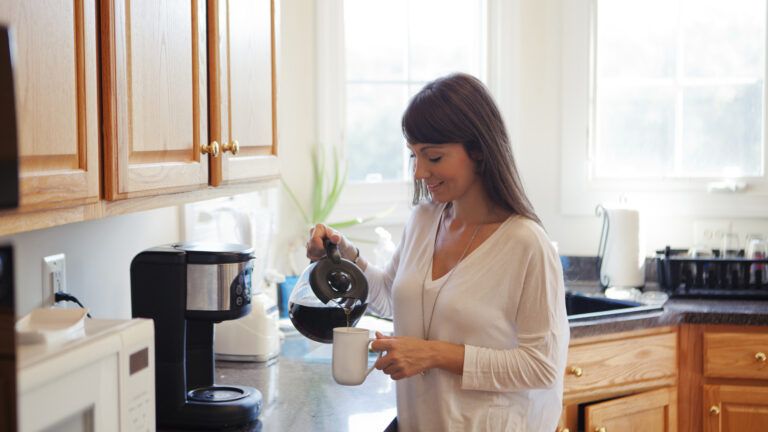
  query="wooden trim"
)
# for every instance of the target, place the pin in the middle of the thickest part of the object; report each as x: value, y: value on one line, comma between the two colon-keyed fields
x: 690, y: 365
x: 82, y: 108
x: 621, y: 335
x: 108, y: 100
x: 214, y: 90
x: 18, y: 221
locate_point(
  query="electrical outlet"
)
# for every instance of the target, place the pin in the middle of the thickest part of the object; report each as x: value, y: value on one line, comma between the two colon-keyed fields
x: 709, y: 233
x: 54, y: 277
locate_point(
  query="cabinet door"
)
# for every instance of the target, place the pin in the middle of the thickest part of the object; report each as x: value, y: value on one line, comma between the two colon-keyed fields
x: 155, y: 100
x: 242, y: 93
x: 735, y: 408
x: 55, y: 73
x: 650, y: 411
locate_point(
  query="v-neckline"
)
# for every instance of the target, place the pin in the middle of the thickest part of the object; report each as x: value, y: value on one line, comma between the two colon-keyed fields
x: 435, y: 228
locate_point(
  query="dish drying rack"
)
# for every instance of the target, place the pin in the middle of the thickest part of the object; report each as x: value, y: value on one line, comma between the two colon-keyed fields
x: 732, y: 277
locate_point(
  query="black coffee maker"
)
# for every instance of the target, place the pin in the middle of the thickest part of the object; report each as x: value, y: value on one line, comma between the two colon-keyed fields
x: 186, y: 288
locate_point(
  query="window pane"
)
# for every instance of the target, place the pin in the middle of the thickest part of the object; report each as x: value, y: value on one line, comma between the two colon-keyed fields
x: 679, y: 88
x: 724, y: 38
x: 374, y: 139
x: 376, y: 35
x: 636, y: 38
x: 722, y: 130
x: 445, y: 37
x: 635, y: 132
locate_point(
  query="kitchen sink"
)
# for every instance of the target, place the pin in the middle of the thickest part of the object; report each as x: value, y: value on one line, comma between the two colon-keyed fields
x: 581, y: 307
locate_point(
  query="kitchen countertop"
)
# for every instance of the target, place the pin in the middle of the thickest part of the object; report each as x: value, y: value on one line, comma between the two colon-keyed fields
x: 300, y: 394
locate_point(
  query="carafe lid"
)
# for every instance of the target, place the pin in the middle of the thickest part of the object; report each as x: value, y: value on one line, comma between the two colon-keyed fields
x: 334, y: 277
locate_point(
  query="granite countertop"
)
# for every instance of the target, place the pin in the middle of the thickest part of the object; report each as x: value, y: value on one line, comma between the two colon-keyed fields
x: 299, y: 393
x: 674, y: 312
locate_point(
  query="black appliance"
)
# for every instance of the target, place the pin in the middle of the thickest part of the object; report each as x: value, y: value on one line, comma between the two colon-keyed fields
x: 9, y: 158
x: 186, y: 288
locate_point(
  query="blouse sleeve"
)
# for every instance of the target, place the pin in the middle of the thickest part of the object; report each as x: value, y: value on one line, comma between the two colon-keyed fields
x: 380, y: 283
x: 539, y: 359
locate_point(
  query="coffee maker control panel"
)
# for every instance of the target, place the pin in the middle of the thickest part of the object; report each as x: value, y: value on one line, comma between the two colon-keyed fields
x: 241, y: 289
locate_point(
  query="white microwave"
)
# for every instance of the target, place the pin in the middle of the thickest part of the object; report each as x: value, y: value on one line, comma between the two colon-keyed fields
x: 103, y: 381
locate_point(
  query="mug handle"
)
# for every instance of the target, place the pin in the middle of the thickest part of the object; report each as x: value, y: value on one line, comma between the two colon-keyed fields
x: 370, y: 369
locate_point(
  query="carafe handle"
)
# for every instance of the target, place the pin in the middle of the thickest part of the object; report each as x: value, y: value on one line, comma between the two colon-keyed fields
x: 332, y: 251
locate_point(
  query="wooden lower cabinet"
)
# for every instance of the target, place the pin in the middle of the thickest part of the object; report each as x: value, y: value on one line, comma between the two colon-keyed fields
x: 735, y: 408
x: 622, y: 382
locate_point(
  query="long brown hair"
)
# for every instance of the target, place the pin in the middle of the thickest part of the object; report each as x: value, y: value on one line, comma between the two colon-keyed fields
x: 459, y: 109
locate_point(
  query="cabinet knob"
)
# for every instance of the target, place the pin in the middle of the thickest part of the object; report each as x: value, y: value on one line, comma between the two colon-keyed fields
x: 233, y: 147
x: 576, y: 371
x: 211, y: 149
x: 760, y: 356
x: 601, y: 429
x: 564, y: 430
x: 714, y: 410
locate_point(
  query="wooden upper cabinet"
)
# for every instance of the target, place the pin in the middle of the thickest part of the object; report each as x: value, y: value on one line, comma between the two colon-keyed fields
x: 154, y: 79
x: 56, y: 80
x: 242, y: 89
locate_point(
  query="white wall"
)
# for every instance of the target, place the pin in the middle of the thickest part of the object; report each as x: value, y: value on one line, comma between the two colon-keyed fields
x: 98, y: 258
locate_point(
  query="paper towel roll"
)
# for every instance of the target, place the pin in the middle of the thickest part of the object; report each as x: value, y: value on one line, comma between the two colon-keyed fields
x: 623, y: 263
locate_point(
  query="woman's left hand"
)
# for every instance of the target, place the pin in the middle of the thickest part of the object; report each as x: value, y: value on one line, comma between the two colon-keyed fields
x: 404, y: 357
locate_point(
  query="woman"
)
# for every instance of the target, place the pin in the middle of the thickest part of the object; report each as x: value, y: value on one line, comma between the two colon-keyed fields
x: 475, y: 288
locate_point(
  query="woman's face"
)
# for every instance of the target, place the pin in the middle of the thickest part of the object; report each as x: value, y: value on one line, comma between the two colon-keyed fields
x: 447, y: 170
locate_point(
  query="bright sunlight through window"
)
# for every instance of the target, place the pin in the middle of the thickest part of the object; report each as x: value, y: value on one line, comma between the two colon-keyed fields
x: 679, y: 88
x: 393, y: 48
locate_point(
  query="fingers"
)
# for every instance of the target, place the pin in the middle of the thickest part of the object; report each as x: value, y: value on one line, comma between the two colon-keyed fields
x: 317, y: 235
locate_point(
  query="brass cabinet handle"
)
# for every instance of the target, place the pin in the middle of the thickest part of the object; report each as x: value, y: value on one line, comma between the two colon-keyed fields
x: 760, y: 356
x: 564, y: 430
x: 211, y: 149
x: 714, y: 410
x: 601, y: 429
x: 576, y: 371
x: 233, y: 147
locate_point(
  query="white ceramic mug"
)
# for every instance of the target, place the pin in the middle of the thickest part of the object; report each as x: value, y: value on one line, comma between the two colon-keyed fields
x: 350, y: 355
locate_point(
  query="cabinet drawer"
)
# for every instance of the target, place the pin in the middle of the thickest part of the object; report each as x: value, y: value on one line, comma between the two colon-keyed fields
x: 736, y: 355
x: 620, y: 365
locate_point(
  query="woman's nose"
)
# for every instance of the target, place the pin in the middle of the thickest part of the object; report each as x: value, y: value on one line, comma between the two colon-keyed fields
x: 419, y: 171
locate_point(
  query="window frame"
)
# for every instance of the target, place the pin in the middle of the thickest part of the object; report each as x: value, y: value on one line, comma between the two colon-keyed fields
x: 581, y: 193
x: 500, y: 72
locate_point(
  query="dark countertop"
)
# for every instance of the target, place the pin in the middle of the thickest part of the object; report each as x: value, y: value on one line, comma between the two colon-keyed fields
x: 300, y: 395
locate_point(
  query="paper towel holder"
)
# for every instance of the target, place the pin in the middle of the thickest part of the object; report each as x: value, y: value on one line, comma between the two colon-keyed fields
x: 620, y: 262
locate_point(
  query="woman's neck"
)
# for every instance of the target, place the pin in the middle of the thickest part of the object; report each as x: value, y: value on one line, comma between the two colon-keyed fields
x: 473, y: 211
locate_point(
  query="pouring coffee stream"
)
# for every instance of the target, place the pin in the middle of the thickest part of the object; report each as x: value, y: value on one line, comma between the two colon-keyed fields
x: 331, y: 292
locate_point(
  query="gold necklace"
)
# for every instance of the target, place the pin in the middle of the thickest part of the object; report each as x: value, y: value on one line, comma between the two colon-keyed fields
x: 428, y: 327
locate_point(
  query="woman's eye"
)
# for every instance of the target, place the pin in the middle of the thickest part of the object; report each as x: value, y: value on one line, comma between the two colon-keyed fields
x: 412, y: 156
x: 435, y: 159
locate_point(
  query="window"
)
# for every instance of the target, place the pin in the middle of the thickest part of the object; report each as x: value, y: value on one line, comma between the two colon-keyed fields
x: 393, y: 48
x: 679, y: 88
x: 672, y: 96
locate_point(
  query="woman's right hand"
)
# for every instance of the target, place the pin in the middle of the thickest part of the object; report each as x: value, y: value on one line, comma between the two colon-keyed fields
x: 317, y: 236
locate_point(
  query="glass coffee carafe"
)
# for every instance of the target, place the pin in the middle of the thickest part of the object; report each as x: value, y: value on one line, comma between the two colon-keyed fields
x: 331, y: 292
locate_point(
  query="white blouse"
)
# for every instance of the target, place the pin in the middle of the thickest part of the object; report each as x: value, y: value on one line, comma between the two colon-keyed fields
x: 505, y: 303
